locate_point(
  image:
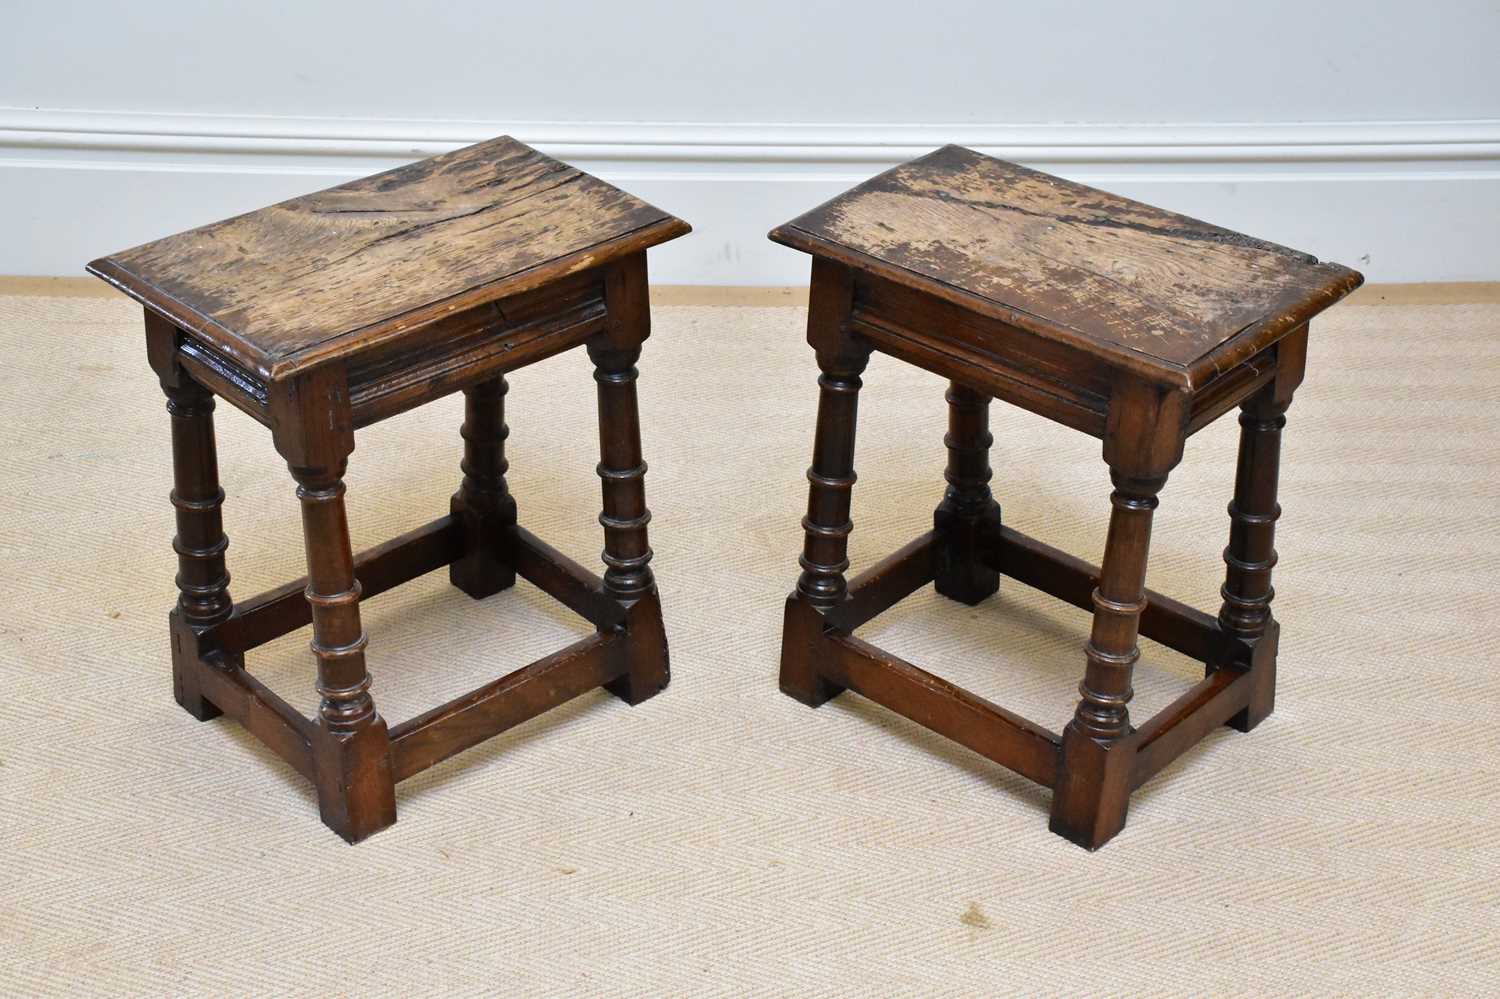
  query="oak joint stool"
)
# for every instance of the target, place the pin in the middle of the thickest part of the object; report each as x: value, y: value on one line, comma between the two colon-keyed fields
x: 1129, y: 323
x: 327, y: 313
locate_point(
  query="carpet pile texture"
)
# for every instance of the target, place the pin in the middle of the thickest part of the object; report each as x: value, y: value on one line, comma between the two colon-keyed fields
x: 722, y: 839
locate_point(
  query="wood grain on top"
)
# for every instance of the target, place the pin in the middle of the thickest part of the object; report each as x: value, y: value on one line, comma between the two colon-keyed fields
x: 289, y: 285
x: 1155, y: 290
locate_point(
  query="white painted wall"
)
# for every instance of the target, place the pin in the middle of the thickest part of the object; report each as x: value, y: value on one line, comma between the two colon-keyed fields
x: 1368, y: 132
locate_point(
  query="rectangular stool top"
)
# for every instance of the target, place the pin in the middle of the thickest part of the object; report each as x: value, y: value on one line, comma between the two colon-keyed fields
x: 1159, y: 292
x: 329, y: 273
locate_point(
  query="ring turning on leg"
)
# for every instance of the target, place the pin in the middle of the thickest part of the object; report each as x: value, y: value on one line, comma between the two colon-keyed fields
x: 202, y: 579
x: 622, y: 472
x: 968, y: 508
x: 627, y: 550
x: 826, y: 526
x: 1251, y: 553
x: 356, y: 792
x: 483, y: 502
x: 1093, y: 789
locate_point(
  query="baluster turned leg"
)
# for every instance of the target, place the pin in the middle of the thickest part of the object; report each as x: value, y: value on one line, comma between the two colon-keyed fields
x: 200, y: 542
x: 1089, y: 802
x: 202, y: 579
x: 622, y: 472
x: 313, y: 429
x: 968, y: 507
x: 483, y: 502
x: 826, y: 527
x: 1251, y: 554
x: 1119, y: 600
x: 831, y: 478
x: 356, y: 793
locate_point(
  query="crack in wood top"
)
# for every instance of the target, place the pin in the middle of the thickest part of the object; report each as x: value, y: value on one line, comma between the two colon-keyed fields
x: 1159, y: 293
x: 355, y: 266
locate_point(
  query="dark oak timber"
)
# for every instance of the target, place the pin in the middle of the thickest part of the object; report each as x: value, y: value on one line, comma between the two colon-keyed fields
x: 968, y: 511
x: 628, y: 580
x: 483, y: 504
x: 376, y: 262
x: 202, y: 580
x: 821, y: 587
x: 327, y: 313
x: 267, y: 616
x: 990, y: 730
x: 1132, y: 324
x: 264, y: 715
x: 565, y: 580
x: 887, y: 583
x: 1175, y: 625
x: 476, y: 716
x: 1251, y: 553
x: 1175, y: 728
x: 1148, y: 291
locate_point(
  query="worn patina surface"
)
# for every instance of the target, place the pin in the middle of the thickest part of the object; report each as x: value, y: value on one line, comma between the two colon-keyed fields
x: 1070, y: 262
x: 326, y: 273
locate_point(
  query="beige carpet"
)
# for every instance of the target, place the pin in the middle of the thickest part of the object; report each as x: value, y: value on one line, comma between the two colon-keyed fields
x: 722, y: 839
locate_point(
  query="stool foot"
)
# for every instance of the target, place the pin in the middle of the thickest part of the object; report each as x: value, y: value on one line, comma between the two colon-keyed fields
x: 968, y: 508
x: 647, y: 667
x: 356, y: 789
x: 1093, y: 789
x: 483, y: 503
x: 961, y: 575
x: 185, y: 657
x: 1263, y: 681
x: 801, y: 634
x: 481, y: 572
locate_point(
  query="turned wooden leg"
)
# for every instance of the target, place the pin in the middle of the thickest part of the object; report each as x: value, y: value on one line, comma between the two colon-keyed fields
x: 622, y: 472
x: 202, y: 579
x: 1251, y: 554
x: 968, y: 507
x: 826, y: 527
x: 312, y: 424
x: 483, y: 502
x: 842, y: 356
x: 1093, y: 790
x: 356, y: 792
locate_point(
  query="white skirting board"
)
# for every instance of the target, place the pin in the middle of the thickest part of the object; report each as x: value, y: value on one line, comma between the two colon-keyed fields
x: 1401, y: 201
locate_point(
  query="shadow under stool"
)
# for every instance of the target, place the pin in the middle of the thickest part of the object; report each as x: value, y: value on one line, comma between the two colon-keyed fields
x: 1126, y: 322
x: 327, y: 313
